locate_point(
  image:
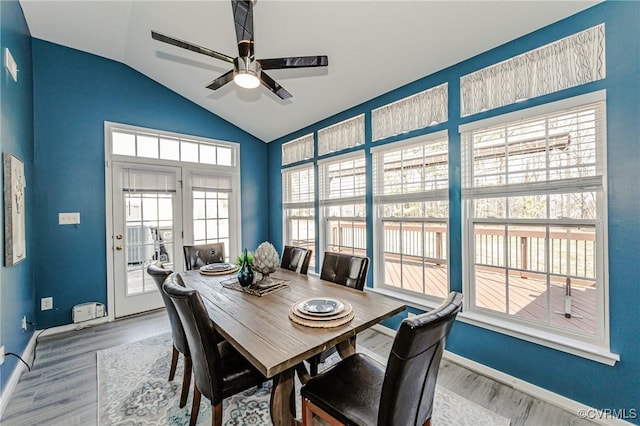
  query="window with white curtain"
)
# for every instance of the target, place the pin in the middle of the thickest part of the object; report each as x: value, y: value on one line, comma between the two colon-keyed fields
x: 535, y: 217
x: 418, y: 111
x: 298, y: 209
x: 568, y: 62
x: 342, y: 189
x: 411, y: 204
x: 343, y: 135
x: 297, y: 150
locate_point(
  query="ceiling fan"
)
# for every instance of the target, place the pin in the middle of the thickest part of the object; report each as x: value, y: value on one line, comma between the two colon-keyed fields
x: 247, y: 72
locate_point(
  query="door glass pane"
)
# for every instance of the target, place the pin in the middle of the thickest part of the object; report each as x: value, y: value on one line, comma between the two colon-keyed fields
x: 147, y: 146
x: 170, y: 149
x: 207, y: 154
x: 149, y: 237
x: 189, y: 152
x: 211, y: 219
x: 224, y: 156
x: 199, y: 211
x: 123, y: 143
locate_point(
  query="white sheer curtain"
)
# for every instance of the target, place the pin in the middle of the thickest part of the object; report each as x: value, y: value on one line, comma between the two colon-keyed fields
x: 346, y: 134
x: 569, y: 62
x: 421, y: 110
x: 297, y: 150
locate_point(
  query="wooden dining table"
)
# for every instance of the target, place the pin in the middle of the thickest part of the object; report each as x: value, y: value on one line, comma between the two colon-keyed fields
x: 260, y: 329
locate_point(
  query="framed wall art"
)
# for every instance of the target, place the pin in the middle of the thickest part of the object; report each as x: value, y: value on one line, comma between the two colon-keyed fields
x: 15, y: 247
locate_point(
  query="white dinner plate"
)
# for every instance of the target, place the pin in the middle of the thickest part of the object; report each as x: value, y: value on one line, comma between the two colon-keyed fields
x: 321, y: 307
x: 217, y: 267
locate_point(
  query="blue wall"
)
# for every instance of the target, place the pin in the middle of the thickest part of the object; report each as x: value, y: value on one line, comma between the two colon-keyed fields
x: 74, y: 94
x: 17, y: 290
x: 595, y: 384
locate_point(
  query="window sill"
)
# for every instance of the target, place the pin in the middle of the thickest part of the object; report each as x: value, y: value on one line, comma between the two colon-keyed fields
x: 561, y: 343
x: 417, y: 302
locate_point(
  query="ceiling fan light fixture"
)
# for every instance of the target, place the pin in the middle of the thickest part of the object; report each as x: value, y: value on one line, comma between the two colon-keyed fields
x: 246, y: 80
x: 246, y: 73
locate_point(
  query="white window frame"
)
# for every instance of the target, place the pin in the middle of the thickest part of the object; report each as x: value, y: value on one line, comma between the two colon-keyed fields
x: 325, y: 202
x: 233, y: 249
x: 597, y: 348
x: 422, y: 299
x: 286, y: 205
x: 188, y: 169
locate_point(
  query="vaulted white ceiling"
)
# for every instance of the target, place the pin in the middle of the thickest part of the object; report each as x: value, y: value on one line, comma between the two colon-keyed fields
x: 373, y: 46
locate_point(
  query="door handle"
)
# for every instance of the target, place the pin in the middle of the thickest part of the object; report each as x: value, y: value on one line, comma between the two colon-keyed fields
x: 118, y: 248
x: 119, y: 237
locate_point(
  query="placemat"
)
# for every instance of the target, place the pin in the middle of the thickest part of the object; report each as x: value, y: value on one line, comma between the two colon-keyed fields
x: 279, y: 284
x: 320, y: 324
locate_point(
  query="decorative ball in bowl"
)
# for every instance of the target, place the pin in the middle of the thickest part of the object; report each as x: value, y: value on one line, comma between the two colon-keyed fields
x: 265, y: 261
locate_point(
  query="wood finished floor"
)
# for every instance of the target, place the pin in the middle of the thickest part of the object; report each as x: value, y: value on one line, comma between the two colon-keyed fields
x: 61, y: 389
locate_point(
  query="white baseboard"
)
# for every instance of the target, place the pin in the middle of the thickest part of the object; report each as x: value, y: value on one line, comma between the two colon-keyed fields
x: 542, y: 394
x: 27, y: 355
x: 77, y: 326
x: 384, y: 330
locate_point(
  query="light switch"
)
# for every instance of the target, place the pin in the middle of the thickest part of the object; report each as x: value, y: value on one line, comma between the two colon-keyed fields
x: 68, y: 218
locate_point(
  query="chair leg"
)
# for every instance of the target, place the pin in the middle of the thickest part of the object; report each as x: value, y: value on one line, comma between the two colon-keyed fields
x: 186, y: 381
x: 216, y: 415
x: 313, y: 365
x: 307, y: 415
x: 174, y: 363
x: 195, y: 407
x: 309, y: 409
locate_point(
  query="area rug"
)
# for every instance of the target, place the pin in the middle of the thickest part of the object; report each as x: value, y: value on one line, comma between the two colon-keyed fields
x: 133, y: 390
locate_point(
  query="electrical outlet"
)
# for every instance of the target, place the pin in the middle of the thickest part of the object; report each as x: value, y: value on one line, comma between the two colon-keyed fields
x: 1, y: 355
x: 24, y: 323
x: 46, y: 303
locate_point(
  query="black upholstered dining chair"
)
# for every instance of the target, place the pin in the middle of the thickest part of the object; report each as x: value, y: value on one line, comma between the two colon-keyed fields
x: 345, y: 269
x: 219, y: 370
x: 294, y: 258
x: 360, y: 391
x: 159, y: 274
x: 196, y: 256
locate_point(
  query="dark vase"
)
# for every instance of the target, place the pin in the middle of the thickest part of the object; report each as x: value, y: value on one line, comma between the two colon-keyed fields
x: 245, y: 274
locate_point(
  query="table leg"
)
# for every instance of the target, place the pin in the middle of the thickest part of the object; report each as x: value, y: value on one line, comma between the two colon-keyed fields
x: 347, y: 347
x: 281, y: 399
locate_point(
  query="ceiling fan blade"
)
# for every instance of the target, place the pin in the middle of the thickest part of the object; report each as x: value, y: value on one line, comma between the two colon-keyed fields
x: 272, y: 85
x: 190, y: 46
x: 221, y: 81
x: 294, y: 62
x: 243, y: 19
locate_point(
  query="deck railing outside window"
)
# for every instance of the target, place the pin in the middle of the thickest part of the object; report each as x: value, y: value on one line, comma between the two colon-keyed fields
x: 535, y: 205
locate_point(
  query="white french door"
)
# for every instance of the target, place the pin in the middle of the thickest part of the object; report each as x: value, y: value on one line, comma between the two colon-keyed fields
x: 164, y: 190
x: 147, y: 226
